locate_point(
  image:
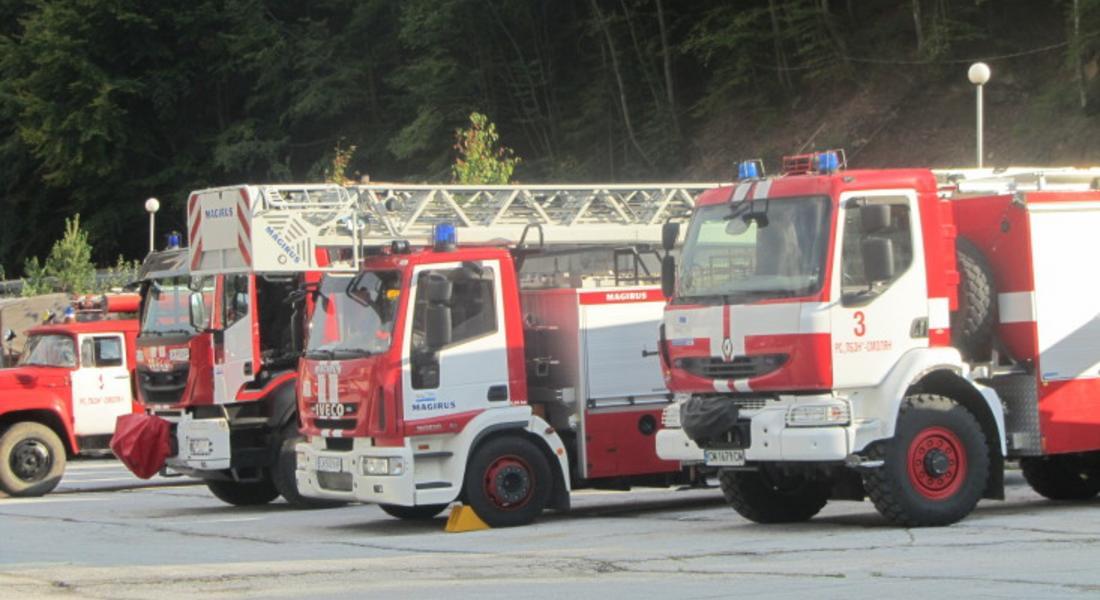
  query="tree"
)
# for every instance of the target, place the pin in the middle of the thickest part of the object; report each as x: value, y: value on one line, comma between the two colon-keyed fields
x: 481, y: 160
x: 67, y: 269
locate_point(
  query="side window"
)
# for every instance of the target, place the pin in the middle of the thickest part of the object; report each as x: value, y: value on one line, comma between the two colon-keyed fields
x: 234, y: 299
x: 108, y: 352
x: 473, y: 305
x: 869, y: 223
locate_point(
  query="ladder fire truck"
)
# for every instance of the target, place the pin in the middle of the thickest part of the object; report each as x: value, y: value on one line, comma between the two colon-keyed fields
x: 842, y: 334
x: 483, y: 366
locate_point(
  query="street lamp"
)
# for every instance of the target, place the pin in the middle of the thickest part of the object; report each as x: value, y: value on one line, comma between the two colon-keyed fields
x: 152, y: 205
x: 979, y: 74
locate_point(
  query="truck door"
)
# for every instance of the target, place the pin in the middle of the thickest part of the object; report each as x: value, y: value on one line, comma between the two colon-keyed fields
x: 875, y: 322
x: 101, y: 385
x: 235, y: 345
x: 471, y: 372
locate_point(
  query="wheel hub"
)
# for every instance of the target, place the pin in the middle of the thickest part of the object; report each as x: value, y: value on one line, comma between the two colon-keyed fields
x: 508, y: 482
x: 937, y: 463
x: 30, y: 460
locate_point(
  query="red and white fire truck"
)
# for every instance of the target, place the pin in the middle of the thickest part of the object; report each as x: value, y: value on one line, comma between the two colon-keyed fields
x: 62, y: 398
x: 498, y: 373
x: 845, y: 334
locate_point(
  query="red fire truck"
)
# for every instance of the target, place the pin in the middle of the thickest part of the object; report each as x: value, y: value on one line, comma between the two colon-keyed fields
x: 62, y: 398
x: 842, y: 334
x: 497, y: 373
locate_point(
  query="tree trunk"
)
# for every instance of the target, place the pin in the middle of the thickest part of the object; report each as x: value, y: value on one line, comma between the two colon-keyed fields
x: 619, y: 82
x: 917, y: 26
x: 666, y: 57
x: 643, y: 62
x: 1078, y: 63
x: 781, y: 70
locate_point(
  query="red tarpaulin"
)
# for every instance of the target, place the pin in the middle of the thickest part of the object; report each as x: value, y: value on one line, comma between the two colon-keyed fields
x: 142, y: 443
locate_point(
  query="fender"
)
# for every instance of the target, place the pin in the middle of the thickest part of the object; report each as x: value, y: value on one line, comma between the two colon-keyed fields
x: 875, y: 410
x: 40, y: 401
x: 281, y: 392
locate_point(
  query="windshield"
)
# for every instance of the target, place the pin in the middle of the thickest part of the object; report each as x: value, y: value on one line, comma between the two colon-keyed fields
x: 167, y: 306
x: 50, y: 350
x: 342, y: 326
x: 727, y: 256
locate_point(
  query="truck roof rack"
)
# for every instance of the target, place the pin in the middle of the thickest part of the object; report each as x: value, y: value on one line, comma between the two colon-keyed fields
x: 289, y: 227
x: 1012, y: 179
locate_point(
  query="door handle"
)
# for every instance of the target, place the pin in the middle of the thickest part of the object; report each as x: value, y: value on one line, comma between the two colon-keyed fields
x: 498, y: 393
x: 122, y: 376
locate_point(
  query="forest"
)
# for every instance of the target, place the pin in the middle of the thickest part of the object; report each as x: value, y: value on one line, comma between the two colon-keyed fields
x: 104, y: 103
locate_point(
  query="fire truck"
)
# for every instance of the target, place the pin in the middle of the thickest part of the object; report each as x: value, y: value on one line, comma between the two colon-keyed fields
x: 896, y: 334
x: 62, y: 398
x: 500, y: 371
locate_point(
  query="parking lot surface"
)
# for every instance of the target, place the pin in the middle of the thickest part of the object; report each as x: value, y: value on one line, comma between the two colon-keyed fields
x: 101, y: 537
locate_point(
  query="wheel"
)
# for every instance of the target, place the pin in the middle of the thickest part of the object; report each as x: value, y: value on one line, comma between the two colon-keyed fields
x: 766, y: 497
x: 32, y: 460
x: 934, y: 469
x: 1060, y: 477
x: 507, y: 482
x: 972, y: 323
x: 285, y: 481
x: 237, y: 493
x: 413, y: 513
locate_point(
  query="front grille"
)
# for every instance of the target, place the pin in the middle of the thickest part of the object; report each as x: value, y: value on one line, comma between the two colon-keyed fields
x: 749, y: 402
x: 162, y: 387
x: 334, y: 423
x: 740, y: 367
x: 339, y: 482
x: 339, y: 444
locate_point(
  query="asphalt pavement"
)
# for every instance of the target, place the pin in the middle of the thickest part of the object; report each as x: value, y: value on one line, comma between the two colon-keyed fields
x: 171, y: 538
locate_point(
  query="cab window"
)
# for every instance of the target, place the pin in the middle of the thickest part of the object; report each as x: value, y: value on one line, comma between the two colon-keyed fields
x: 473, y: 305
x: 863, y: 234
x: 102, y: 351
x: 235, y: 299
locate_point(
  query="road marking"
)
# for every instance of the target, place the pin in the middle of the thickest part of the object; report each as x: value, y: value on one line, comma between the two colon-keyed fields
x: 48, y: 499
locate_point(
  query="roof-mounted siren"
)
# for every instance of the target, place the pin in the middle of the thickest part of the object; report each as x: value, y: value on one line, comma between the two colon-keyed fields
x: 829, y: 161
x: 444, y: 237
x: 750, y: 169
x: 173, y: 241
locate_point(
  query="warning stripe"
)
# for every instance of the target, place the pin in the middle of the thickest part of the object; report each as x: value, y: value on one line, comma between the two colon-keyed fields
x: 197, y: 256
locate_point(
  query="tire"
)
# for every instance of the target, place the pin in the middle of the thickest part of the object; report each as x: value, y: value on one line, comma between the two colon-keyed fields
x: 1060, y: 477
x: 286, y: 482
x: 972, y: 323
x: 935, y: 467
x: 413, y: 513
x: 251, y: 493
x: 761, y: 497
x: 32, y: 460
x: 508, y: 482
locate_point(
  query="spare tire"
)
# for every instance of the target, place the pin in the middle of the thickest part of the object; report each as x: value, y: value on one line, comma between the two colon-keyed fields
x: 972, y: 323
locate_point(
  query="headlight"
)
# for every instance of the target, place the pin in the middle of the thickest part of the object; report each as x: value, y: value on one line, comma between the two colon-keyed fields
x: 383, y: 466
x: 819, y: 415
x: 300, y: 460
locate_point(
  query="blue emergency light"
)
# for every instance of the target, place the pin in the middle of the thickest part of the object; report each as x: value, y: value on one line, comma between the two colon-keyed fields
x: 827, y: 162
x: 444, y: 236
x: 173, y: 241
x: 748, y: 170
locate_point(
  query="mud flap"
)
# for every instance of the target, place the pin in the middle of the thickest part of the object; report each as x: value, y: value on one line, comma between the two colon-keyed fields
x: 142, y: 442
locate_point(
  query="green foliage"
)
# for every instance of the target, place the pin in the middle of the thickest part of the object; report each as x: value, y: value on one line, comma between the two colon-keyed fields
x: 481, y: 158
x: 67, y: 269
x: 118, y: 276
x: 337, y: 172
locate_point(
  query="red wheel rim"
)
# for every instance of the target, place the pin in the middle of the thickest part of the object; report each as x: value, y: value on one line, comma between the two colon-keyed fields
x: 509, y: 482
x: 937, y: 463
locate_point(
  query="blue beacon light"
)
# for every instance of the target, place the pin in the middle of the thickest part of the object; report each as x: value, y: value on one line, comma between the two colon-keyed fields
x: 444, y: 236
x: 747, y: 170
x: 827, y: 162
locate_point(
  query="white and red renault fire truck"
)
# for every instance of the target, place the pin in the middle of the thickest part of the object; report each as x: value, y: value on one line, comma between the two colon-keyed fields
x: 840, y: 333
x: 494, y: 373
x: 62, y: 398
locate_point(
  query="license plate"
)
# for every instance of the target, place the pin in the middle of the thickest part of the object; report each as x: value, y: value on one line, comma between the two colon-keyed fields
x: 328, y: 410
x: 200, y: 446
x: 330, y: 464
x: 724, y: 458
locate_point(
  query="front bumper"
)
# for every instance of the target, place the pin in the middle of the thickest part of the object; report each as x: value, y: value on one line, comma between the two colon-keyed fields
x: 201, y: 444
x: 674, y: 444
x: 318, y: 479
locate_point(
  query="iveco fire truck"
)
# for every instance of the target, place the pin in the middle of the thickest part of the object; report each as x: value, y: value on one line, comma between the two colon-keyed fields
x: 490, y: 369
x: 840, y: 333
x: 221, y: 338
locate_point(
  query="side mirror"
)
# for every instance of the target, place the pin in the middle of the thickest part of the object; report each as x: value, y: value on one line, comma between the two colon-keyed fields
x: 240, y: 303
x: 878, y: 259
x: 438, y: 323
x: 440, y: 290
x: 9, y: 335
x: 670, y: 232
x: 668, y: 275
x: 874, y: 218
x: 197, y: 311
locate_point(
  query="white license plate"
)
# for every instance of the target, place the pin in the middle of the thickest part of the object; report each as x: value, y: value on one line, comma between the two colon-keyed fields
x: 200, y: 446
x: 328, y: 410
x: 724, y: 458
x: 330, y: 464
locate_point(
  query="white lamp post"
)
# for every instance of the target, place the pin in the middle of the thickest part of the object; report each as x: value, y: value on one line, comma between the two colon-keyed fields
x: 979, y: 74
x: 152, y: 205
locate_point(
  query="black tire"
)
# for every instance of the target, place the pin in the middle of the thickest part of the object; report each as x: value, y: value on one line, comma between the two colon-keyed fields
x: 286, y: 482
x: 413, y: 513
x: 935, y: 467
x: 32, y: 460
x: 972, y: 323
x: 508, y: 482
x: 251, y: 493
x: 766, y: 497
x: 1060, y: 477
